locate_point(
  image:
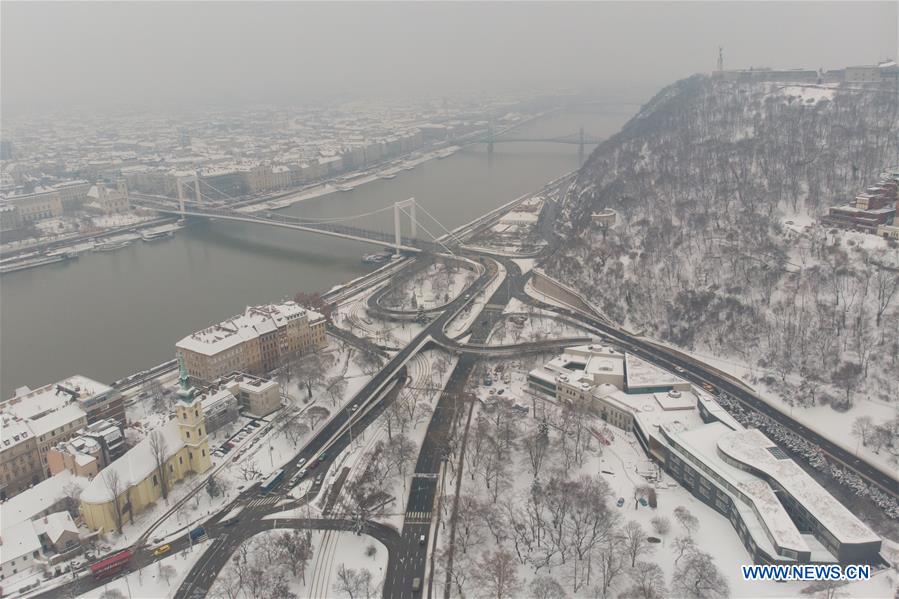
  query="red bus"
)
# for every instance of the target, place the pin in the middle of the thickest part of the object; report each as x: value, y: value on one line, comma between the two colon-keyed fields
x: 111, y: 565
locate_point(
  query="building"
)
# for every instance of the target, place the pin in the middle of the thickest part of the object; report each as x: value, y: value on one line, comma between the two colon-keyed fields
x: 10, y: 219
x: 95, y: 447
x: 604, y: 218
x: 869, y: 210
x: 48, y: 496
x: 99, y: 401
x: 779, y: 512
x: 36, y: 206
x: 109, y: 201
x: 220, y: 407
x: 20, y: 462
x: 257, y: 396
x: 256, y: 341
x: 57, y: 533
x: 130, y: 484
x: 19, y: 548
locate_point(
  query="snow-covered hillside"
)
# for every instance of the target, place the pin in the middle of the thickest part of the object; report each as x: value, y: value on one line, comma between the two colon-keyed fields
x: 717, y: 188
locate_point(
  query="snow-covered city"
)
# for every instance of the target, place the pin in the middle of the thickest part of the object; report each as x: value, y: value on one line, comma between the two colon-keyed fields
x: 541, y: 340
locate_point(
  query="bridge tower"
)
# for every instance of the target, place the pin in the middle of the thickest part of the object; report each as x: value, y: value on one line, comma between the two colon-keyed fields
x: 397, y: 224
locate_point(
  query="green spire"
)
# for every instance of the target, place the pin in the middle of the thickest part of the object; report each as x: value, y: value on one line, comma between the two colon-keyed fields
x: 186, y: 392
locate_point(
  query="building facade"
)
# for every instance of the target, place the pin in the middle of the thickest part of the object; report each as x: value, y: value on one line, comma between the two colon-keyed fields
x: 138, y: 484
x: 255, y: 342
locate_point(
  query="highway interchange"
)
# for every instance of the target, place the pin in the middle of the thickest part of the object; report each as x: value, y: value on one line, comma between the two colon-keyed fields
x: 407, y: 557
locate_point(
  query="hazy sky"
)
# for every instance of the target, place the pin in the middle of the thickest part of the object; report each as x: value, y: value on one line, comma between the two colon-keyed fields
x: 120, y: 55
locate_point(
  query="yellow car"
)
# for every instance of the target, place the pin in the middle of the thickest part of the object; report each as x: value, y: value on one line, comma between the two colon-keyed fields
x: 162, y: 550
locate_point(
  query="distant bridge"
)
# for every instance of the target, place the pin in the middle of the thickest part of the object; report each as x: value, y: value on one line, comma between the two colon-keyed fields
x: 578, y: 138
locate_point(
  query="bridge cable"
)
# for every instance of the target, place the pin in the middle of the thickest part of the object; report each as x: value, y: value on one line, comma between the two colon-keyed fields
x: 432, y: 217
x: 436, y: 239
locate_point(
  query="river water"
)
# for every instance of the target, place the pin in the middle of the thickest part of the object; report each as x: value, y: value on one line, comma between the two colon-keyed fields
x: 107, y: 315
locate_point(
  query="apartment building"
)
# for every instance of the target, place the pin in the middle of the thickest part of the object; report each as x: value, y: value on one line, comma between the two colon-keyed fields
x: 20, y: 464
x: 255, y: 342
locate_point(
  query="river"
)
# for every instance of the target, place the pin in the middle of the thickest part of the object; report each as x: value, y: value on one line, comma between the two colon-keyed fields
x: 107, y: 315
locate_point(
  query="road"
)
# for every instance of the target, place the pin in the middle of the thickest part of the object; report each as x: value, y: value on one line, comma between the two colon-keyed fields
x: 408, y: 550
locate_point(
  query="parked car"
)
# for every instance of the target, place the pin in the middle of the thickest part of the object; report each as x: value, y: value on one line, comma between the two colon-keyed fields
x: 620, y: 502
x: 302, y: 474
x: 643, y: 502
x: 319, y: 478
x: 255, y: 424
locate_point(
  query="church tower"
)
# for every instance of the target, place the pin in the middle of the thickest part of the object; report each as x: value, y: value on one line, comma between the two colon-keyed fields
x: 192, y: 424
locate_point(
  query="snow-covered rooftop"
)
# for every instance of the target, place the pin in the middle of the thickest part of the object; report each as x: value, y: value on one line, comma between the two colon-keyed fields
x: 134, y: 466
x: 18, y: 540
x: 54, y: 525
x: 642, y: 374
x: 702, y: 442
x: 39, y: 498
x: 255, y: 321
x: 754, y: 449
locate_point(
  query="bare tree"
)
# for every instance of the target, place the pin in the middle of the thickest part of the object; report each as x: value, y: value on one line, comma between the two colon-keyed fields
x: 683, y: 545
x: 545, y: 587
x: 159, y: 449
x: 310, y: 369
x: 354, y: 583
x: 661, y: 525
x: 648, y: 582
x: 635, y: 541
x: 71, y: 497
x: 315, y: 414
x: 863, y: 427
x: 294, y: 430
x: 609, y: 565
x: 686, y: 519
x: 297, y: 550
x: 113, y: 483
x: 498, y: 574
x: 697, y: 577
x: 336, y: 389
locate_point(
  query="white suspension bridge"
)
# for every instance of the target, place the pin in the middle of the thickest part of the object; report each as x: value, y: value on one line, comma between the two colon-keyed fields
x: 345, y: 227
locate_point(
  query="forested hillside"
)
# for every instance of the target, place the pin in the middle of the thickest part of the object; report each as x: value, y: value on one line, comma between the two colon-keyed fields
x: 717, y: 187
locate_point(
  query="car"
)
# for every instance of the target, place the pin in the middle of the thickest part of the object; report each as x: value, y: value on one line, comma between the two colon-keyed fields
x: 319, y: 478
x: 679, y: 369
x: 500, y: 392
x: 162, y: 550
x: 354, y: 408
x: 224, y: 448
x: 322, y: 456
x: 507, y: 378
x: 300, y: 462
x: 421, y: 539
x: 255, y: 424
x: 313, y: 464
x: 302, y: 473
x: 643, y: 502
x: 620, y: 502
x: 231, y: 521
x: 416, y: 584
x: 493, y: 392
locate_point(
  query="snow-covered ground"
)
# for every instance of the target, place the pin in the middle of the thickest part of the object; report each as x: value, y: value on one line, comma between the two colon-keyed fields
x: 155, y: 581
x: 432, y: 287
x: 532, y: 328
x: 625, y: 468
x: 331, y: 550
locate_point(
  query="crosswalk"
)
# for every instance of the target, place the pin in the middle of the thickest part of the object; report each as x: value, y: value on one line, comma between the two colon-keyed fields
x: 263, y: 501
x: 423, y: 516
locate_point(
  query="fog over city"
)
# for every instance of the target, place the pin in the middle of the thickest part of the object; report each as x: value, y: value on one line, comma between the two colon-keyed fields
x: 438, y: 300
x: 71, y: 55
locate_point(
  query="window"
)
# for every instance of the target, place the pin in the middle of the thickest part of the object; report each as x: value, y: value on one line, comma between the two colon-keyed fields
x: 155, y: 481
x: 180, y: 459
